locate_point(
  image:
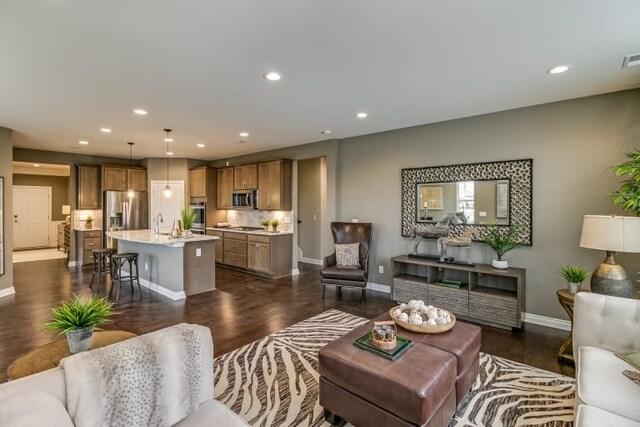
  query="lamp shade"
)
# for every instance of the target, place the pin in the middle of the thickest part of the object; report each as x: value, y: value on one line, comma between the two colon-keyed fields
x: 611, y: 233
x: 66, y: 210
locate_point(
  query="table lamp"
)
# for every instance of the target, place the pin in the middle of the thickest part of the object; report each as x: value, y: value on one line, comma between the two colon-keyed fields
x: 612, y: 234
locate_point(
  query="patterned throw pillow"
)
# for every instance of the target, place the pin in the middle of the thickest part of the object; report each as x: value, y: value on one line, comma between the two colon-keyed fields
x: 348, y: 255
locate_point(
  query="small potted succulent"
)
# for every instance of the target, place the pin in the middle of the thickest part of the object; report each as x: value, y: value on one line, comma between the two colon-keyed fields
x: 274, y: 225
x: 266, y: 224
x: 574, y: 276
x: 501, y: 242
x: 88, y: 222
x: 78, y: 319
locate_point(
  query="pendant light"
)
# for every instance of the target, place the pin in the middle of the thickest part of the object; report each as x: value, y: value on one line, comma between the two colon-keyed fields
x: 167, y: 189
x: 130, y: 192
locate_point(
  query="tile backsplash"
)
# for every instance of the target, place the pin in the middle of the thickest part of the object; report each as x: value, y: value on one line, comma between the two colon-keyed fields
x: 79, y: 217
x: 252, y: 218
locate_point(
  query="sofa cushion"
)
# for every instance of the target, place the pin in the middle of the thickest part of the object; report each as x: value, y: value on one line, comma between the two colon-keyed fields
x: 351, y: 273
x: 33, y: 408
x: 590, y: 416
x: 212, y: 413
x: 600, y: 383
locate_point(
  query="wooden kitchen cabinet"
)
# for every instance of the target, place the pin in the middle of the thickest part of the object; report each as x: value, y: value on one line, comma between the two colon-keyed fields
x: 114, y: 178
x: 274, y: 185
x: 219, y: 250
x: 86, y: 242
x: 137, y: 179
x: 235, y: 249
x: 259, y: 254
x: 225, y: 187
x: 88, y: 189
x: 245, y: 177
x: 198, y: 182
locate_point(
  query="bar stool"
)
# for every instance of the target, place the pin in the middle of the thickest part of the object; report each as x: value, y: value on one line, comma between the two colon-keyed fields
x: 117, y: 262
x: 101, y: 265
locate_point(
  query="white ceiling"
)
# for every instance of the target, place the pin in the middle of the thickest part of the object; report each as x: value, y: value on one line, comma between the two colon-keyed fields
x: 69, y: 67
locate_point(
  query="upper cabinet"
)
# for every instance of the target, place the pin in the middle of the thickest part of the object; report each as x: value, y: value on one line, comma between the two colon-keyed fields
x: 198, y: 182
x: 225, y: 187
x: 245, y: 177
x: 274, y: 185
x: 122, y: 178
x: 88, y: 195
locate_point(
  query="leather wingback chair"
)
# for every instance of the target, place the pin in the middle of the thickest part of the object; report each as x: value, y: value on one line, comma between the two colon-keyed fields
x: 356, y: 276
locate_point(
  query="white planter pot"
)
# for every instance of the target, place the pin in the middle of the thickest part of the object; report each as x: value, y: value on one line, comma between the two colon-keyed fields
x: 500, y: 264
x: 79, y: 340
x: 573, y: 288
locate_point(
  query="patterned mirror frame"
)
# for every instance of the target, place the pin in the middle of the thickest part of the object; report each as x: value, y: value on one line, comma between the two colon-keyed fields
x: 518, y: 172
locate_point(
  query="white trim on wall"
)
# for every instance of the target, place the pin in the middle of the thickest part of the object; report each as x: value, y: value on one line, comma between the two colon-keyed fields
x: 6, y: 292
x: 311, y: 261
x: 173, y: 295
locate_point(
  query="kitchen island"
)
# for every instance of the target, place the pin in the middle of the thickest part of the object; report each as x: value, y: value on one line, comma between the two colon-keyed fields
x: 172, y: 267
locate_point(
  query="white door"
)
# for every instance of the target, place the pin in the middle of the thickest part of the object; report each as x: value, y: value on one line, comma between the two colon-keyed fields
x: 168, y: 207
x: 31, y: 216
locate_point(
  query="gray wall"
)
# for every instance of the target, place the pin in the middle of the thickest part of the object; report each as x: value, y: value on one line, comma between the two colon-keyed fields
x: 309, y: 204
x: 6, y: 171
x: 573, y: 144
x: 59, y: 190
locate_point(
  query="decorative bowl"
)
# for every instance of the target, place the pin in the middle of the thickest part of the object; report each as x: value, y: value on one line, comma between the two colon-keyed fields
x: 423, y: 329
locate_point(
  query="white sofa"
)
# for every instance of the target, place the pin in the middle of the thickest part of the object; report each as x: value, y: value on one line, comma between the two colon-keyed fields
x: 52, y: 382
x: 602, y: 326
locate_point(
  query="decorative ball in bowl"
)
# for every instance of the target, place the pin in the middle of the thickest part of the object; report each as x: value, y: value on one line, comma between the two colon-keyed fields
x: 416, y: 316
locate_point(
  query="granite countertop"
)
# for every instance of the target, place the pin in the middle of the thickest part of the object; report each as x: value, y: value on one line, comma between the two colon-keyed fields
x: 258, y: 232
x: 151, y: 238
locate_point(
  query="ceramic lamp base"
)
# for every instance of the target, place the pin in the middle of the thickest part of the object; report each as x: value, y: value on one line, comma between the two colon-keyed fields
x: 611, y: 278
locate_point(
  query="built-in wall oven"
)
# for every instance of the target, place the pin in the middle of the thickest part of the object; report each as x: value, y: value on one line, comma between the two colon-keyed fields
x: 200, y: 220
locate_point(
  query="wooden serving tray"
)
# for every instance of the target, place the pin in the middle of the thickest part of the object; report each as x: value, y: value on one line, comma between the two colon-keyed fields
x: 438, y: 329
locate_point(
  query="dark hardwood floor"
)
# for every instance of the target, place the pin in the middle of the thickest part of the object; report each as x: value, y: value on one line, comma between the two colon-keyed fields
x: 242, y: 309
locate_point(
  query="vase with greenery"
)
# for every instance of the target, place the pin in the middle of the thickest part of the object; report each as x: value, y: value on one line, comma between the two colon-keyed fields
x: 188, y: 215
x: 78, y: 319
x: 274, y: 224
x: 628, y: 196
x: 265, y: 223
x: 501, y: 240
x: 88, y: 222
x: 574, y: 276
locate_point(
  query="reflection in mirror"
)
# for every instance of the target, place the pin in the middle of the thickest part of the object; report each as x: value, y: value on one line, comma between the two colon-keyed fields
x: 471, y: 202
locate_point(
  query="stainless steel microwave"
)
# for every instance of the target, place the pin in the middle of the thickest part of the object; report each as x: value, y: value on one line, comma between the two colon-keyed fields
x: 246, y: 199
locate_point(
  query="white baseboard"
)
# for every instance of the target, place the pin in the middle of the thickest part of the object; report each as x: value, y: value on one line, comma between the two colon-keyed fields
x: 378, y: 287
x: 311, y: 261
x: 162, y: 290
x: 550, y: 322
x: 295, y: 272
x: 6, y: 292
x: 72, y: 263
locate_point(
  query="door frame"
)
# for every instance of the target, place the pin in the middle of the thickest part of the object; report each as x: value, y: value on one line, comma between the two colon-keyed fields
x: 173, y: 184
x: 48, y: 213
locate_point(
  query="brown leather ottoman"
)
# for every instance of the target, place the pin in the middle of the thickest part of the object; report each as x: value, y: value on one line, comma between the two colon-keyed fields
x: 463, y: 341
x: 418, y: 389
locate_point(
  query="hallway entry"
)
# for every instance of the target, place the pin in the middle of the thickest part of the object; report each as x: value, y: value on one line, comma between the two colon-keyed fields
x: 311, y: 199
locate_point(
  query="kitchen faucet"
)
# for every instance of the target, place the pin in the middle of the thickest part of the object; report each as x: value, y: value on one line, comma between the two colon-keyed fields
x: 159, y: 219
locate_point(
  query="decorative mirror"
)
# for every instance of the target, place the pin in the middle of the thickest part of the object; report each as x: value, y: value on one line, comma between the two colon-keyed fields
x: 469, y: 195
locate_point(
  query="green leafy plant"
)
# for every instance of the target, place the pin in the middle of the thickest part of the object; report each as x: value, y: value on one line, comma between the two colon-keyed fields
x: 89, y: 218
x: 188, y: 216
x: 275, y: 223
x: 573, y: 274
x: 265, y: 223
x: 502, y: 239
x: 628, y: 196
x: 80, y: 314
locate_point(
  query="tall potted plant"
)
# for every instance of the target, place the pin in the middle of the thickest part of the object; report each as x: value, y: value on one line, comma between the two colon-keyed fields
x: 78, y: 319
x: 574, y: 276
x: 188, y: 216
x: 628, y: 196
x: 501, y: 242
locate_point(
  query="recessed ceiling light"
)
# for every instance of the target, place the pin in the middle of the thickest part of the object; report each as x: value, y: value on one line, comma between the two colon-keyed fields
x: 327, y: 132
x: 559, y: 69
x: 169, y: 153
x: 168, y: 140
x: 273, y: 76
x: 362, y: 115
x: 244, y: 134
x: 140, y: 112
x: 36, y: 165
x: 105, y: 130
x: 200, y: 145
x: 83, y: 142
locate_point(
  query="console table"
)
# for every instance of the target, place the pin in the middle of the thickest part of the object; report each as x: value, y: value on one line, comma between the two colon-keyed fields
x: 487, y: 295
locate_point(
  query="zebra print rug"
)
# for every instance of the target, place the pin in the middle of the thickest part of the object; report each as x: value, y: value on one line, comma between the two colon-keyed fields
x: 274, y: 382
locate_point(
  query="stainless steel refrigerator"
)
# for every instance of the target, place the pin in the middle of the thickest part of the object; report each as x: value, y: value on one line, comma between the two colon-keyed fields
x: 122, y: 212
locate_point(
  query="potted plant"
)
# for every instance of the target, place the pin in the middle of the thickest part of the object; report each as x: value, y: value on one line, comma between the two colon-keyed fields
x: 88, y: 222
x: 78, y: 319
x: 574, y: 276
x: 266, y: 224
x: 501, y: 242
x: 628, y: 196
x: 188, y: 215
x: 274, y: 224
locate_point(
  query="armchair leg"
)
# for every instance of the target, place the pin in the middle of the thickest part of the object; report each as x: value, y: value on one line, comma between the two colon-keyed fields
x: 323, y: 289
x: 364, y: 295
